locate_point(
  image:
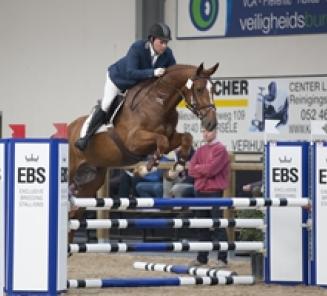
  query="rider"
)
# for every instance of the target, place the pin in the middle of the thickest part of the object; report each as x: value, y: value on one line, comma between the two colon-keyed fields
x: 145, y: 59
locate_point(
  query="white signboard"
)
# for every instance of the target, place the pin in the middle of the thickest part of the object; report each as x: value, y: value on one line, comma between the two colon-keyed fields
x: 286, y: 250
x: 245, y: 105
x: 31, y: 186
x: 320, y: 214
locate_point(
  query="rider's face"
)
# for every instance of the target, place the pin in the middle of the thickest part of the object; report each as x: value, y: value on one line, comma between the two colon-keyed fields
x: 160, y: 45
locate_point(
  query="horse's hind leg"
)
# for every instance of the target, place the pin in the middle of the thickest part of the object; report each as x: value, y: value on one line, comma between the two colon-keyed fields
x: 74, y: 214
x: 86, y: 189
x: 175, y: 141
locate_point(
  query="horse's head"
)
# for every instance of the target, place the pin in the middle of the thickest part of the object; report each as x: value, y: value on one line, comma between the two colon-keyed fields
x: 199, y: 96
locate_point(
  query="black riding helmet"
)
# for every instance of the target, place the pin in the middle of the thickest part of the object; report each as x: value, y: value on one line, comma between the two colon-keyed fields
x: 160, y: 30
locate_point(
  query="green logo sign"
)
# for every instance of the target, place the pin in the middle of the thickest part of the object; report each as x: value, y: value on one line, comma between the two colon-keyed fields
x: 203, y: 13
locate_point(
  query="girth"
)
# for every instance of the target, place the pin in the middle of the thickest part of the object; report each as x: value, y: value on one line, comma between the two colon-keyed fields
x: 128, y: 156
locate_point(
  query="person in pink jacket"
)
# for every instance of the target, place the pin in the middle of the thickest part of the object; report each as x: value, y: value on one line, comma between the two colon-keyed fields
x: 210, y: 167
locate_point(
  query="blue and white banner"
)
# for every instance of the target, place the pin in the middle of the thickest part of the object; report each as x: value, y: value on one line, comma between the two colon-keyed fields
x: 245, y: 18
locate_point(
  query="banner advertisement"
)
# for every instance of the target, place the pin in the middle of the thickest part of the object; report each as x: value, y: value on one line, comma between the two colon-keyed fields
x: 31, y: 205
x: 319, y: 216
x: 250, y: 111
x: 246, y: 18
x: 286, y: 176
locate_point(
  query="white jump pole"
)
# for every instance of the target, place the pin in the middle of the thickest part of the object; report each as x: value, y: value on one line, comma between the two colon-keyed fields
x: 2, y: 216
x: 318, y: 259
x: 286, y: 176
x: 37, y: 210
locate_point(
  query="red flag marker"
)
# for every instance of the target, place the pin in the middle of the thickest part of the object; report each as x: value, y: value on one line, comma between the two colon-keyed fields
x: 19, y: 131
x: 62, y: 131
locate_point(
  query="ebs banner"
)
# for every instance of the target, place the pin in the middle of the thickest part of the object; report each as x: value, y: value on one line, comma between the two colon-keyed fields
x: 245, y: 18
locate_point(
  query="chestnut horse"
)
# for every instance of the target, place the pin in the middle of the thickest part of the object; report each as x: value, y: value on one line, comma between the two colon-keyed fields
x: 144, y: 125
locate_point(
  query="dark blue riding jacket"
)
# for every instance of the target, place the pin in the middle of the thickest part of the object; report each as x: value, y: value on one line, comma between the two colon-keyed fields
x: 137, y: 66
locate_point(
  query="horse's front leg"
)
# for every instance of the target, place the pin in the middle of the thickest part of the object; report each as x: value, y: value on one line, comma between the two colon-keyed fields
x: 175, y: 141
x: 180, y: 164
x: 145, y: 139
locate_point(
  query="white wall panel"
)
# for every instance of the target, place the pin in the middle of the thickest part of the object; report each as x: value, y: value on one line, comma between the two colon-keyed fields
x: 54, y: 55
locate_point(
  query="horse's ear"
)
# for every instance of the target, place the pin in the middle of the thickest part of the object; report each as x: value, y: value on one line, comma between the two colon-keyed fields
x: 212, y: 70
x: 199, y: 70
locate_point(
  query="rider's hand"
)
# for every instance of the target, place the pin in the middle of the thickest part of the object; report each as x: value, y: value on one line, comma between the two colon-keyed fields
x: 159, y: 72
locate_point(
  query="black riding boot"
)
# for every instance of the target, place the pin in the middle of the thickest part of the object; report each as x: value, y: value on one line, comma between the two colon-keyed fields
x: 98, y: 118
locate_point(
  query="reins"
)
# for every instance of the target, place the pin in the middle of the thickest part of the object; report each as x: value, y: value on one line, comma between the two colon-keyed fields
x: 193, y: 105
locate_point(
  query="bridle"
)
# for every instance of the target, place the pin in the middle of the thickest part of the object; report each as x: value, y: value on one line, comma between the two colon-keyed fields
x: 193, y: 105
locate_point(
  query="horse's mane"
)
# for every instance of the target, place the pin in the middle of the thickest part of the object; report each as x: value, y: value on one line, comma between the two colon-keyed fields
x: 179, y: 67
x: 148, y: 84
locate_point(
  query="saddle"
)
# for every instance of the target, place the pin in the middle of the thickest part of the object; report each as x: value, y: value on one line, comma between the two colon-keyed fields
x: 114, y: 107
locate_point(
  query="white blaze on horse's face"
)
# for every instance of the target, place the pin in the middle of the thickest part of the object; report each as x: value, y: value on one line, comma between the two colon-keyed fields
x: 209, y: 86
x: 189, y: 84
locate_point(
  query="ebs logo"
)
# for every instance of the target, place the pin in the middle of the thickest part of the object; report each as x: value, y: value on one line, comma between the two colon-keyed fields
x: 203, y: 13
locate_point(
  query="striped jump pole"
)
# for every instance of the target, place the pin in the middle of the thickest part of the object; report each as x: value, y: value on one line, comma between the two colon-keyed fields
x: 133, y: 203
x: 165, y: 247
x: 164, y: 223
x: 183, y: 269
x: 157, y: 282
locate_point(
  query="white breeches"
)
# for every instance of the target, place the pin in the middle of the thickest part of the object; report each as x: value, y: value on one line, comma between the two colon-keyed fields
x: 110, y: 92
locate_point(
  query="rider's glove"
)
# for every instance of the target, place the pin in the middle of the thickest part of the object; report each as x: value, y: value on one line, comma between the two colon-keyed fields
x: 159, y: 72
